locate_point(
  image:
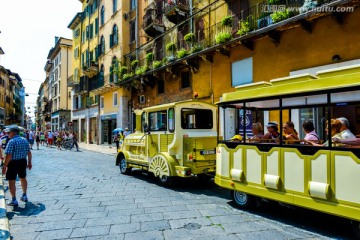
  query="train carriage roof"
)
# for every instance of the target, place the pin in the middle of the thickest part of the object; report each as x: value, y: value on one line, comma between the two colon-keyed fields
x: 304, y: 83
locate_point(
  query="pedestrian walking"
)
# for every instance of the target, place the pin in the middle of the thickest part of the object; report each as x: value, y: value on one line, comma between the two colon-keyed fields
x: 37, y: 139
x: 75, y: 142
x: 16, y: 163
x: 4, y: 141
x: 31, y: 138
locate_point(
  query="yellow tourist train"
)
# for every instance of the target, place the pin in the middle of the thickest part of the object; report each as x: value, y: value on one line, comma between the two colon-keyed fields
x: 322, y: 174
x: 172, y: 140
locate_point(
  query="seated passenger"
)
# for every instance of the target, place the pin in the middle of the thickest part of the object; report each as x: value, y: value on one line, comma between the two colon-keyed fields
x: 236, y: 138
x: 349, y: 141
x: 272, y: 135
x: 257, y: 131
x: 335, y: 132
x: 345, y: 132
x: 309, y: 130
x: 290, y: 134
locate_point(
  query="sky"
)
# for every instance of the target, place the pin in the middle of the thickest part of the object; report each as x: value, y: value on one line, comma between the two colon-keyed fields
x: 27, y: 33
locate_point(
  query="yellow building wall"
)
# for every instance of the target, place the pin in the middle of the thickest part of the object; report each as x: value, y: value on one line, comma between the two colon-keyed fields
x: 298, y: 49
x: 108, y: 102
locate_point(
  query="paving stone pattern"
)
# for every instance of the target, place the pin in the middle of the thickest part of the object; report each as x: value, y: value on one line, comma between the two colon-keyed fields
x: 82, y: 195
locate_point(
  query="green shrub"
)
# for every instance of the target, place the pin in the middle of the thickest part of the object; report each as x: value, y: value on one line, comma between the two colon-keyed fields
x: 122, y: 71
x: 276, y: 2
x: 134, y: 64
x: 196, y: 48
x: 149, y: 57
x: 157, y: 64
x: 171, y: 47
x: 182, y: 53
x: 223, y: 37
x: 227, y: 21
x: 244, y: 28
x: 189, y: 38
x: 127, y: 76
x: 281, y: 15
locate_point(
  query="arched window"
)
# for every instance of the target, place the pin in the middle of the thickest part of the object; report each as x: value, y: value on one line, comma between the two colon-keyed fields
x: 115, y: 35
x: 102, y: 45
x: 101, y: 75
x: 114, y: 6
x: 114, y: 70
x: 102, y: 16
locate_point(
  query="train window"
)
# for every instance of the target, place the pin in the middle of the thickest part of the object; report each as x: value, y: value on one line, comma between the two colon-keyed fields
x: 157, y: 121
x: 196, y: 118
x: 171, y: 120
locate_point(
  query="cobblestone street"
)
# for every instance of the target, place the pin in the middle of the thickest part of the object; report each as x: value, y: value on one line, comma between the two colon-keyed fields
x: 82, y: 195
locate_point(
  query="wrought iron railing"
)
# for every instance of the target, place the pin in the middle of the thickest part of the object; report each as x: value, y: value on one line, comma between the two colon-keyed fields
x: 254, y: 18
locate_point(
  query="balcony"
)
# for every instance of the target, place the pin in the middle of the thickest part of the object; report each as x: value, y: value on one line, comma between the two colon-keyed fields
x: 243, y: 28
x: 176, y: 10
x: 71, y: 82
x: 90, y: 70
x: 152, y: 23
x: 106, y: 84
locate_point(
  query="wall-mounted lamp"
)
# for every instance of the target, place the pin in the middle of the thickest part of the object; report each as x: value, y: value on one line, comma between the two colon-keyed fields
x: 336, y: 58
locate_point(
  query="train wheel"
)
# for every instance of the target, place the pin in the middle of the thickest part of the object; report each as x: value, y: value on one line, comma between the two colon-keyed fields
x: 124, y: 169
x: 243, y: 200
x: 160, y: 168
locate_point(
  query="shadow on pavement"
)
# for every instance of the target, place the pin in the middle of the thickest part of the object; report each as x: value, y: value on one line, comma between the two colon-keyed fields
x: 191, y: 184
x: 28, y: 210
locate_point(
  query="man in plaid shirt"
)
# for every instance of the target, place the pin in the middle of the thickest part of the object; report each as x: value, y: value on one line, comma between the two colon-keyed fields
x: 17, y: 150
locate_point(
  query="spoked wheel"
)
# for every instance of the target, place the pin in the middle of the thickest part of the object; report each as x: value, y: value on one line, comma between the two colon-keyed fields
x: 124, y: 169
x: 243, y: 200
x: 160, y: 168
x: 356, y: 228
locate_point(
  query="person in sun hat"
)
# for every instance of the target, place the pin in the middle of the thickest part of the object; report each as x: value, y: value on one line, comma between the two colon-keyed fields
x: 273, y: 134
x: 17, y: 150
x: 237, y: 138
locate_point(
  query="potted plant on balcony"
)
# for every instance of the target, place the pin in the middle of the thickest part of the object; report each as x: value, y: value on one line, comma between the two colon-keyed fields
x: 149, y: 58
x: 157, y: 64
x: 134, y: 64
x: 223, y: 37
x: 227, y: 21
x: 122, y: 72
x: 127, y: 76
x: 245, y: 27
x: 182, y: 53
x: 190, y: 39
x: 171, y: 47
x: 281, y: 15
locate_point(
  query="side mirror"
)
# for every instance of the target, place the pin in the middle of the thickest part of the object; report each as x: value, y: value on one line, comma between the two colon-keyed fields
x: 145, y: 126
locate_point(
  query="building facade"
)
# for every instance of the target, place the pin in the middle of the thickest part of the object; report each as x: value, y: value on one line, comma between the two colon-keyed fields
x: 58, y: 68
x: 158, y: 51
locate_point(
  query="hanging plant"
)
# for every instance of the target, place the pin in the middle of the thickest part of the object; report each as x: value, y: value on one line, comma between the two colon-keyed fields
x: 149, y: 57
x: 189, y: 38
x: 171, y: 47
x: 134, y: 64
x: 227, y: 21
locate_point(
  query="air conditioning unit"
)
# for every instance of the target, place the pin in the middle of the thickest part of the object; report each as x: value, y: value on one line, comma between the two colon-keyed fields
x: 142, y: 99
x: 264, y: 21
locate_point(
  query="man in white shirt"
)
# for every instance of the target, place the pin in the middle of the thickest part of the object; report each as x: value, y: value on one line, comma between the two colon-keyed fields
x: 345, y: 132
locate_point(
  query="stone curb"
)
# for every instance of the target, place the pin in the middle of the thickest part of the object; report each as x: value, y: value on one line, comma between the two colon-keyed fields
x: 4, y: 222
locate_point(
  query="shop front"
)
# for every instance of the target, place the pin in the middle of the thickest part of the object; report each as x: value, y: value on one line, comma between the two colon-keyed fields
x: 108, y: 124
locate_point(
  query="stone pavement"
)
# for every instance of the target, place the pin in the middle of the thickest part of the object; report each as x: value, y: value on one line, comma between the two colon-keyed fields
x: 101, y: 148
x: 83, y: 196
x: 4, y: 222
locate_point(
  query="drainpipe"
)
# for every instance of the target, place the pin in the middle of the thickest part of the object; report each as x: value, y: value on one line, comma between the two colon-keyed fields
x: 191, y: 13
x: 137, y: 27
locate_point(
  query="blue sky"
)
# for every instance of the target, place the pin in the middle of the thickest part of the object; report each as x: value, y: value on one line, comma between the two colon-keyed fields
x: 28, y: 30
